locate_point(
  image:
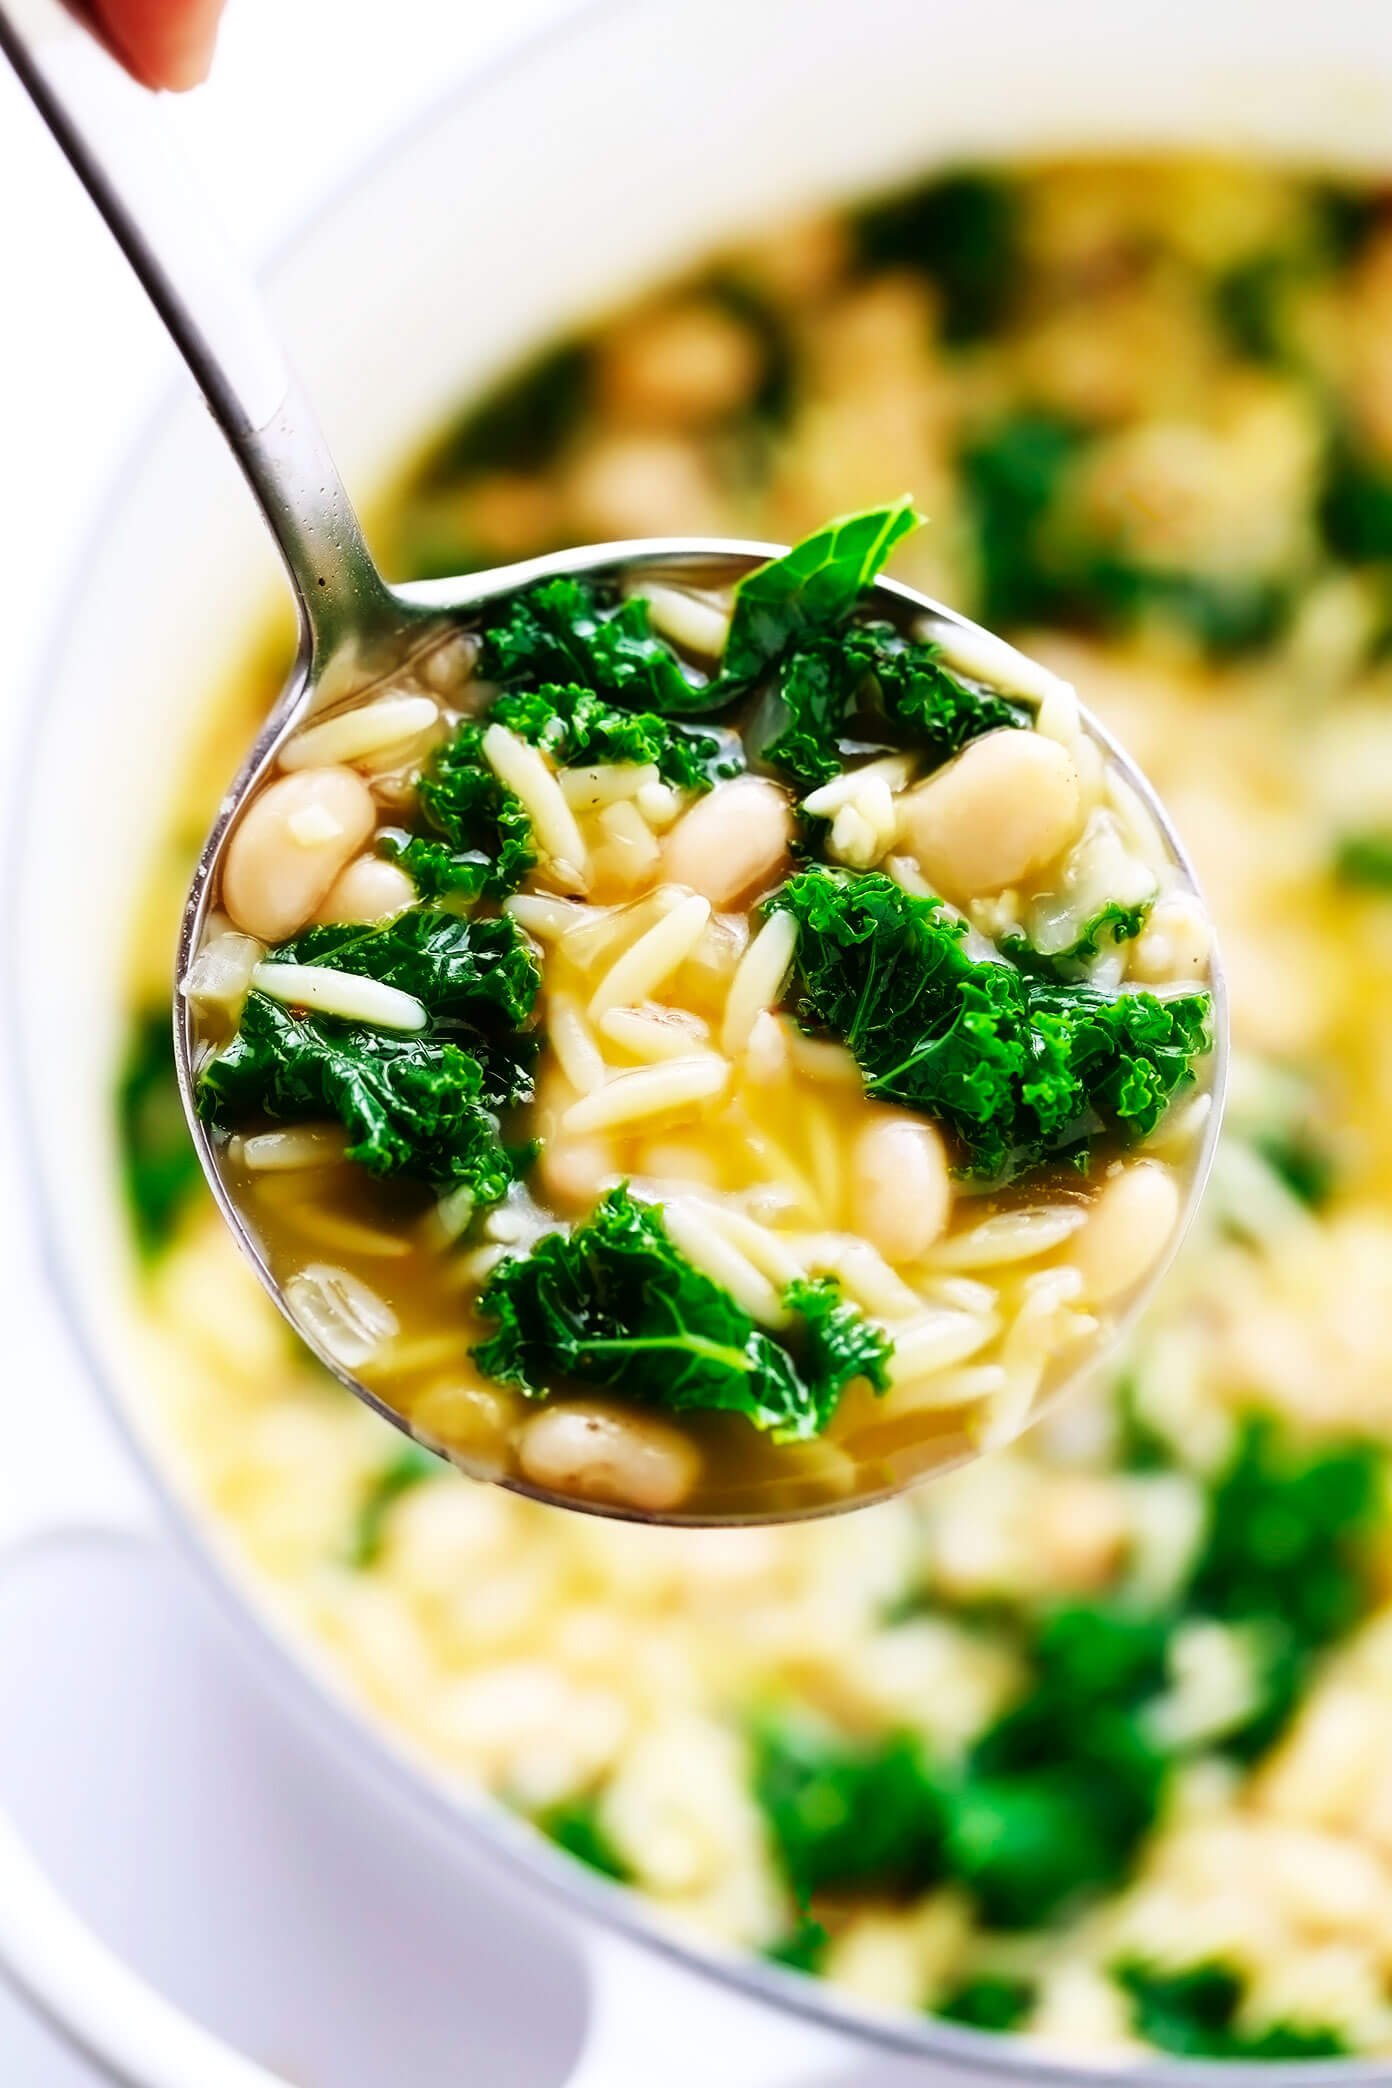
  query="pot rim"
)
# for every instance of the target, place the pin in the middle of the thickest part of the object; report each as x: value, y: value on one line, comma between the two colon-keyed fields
x: 302, y: 1680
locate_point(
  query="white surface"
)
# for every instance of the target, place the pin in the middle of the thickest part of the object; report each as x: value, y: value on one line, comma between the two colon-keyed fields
x: 149, y: 1775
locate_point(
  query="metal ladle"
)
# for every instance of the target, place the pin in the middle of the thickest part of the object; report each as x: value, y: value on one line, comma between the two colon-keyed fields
x: 347, y: 613
x: 352, y: 623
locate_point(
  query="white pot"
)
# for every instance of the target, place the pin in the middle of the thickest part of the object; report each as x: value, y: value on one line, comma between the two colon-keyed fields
x: 608, y: 152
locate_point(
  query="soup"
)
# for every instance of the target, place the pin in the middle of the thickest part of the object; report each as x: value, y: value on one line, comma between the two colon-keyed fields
x: 1058, y: 1744
x: 688, y: 1151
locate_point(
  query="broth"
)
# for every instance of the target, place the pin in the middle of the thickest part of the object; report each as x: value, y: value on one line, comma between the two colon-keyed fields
x: 1180, y: 408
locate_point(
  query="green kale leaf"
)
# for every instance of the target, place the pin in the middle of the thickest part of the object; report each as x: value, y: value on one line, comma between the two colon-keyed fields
x: 770, y: 406
x: 579, y: 729
x: 1021, y: 1071
x: 1306, y: 1166
x: 410, y: 1107
x: 802, y: 1948
x: 1364, y: 860
x: 1014, y: 473
x: 814, y: 587
x: 842, y: 1815
x: 1192, y: 2012
x: 1057, y: 1794
x: 564, y: 632
x: 883, y: 687
x: 838, y: 1342
x: 487, y: 835
x: 988, y: 2001
x: 472, y: 975
x: 423, y: 1106
x: 1111, y: 925
x: 159, y: 1165
x: 1356, y: 504
x: 614, y: 1303
x: 1287, y: 1552
x: 960, y: 229
x: 523, y: 421
x: 437, y: 870
x: 575, y: 1826
x: 411, y: 1467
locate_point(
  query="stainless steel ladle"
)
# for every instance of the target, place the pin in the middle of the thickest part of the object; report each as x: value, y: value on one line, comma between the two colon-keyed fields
x: 353, y: 624
x: 348, y: 615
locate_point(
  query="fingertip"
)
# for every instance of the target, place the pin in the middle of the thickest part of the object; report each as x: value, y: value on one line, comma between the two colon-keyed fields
x: 165, y: 44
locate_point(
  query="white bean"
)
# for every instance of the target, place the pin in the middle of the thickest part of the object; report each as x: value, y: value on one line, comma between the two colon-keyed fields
x: 901, y: 1190
x: 731, y: 844
x: 1008, y: 805
x: 291, y: 843
x: 369, y: 889
x: 1127, y: 1230
x: 599, y: 1453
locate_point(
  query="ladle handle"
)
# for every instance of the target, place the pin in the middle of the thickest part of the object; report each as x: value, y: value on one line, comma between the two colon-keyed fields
x: 117, y: 140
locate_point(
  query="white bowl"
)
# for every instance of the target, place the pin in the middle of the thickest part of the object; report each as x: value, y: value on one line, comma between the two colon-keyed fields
x: 608, y: 152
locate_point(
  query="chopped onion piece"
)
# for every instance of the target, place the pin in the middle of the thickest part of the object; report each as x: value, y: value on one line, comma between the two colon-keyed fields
x: 339, y: 1313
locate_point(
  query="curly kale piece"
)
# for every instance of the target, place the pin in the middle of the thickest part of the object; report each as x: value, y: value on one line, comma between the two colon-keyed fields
x: 469, y: 974
x: 801, y: 1948
x: 843, y: 1814
x: 409, y: 1107
x: 411, y: 1467
x: 839, y: 1342
x: 421, y: 1106
x: 484, y: 824
x: 1056, y: 1795
x: 1364, y: 860
x: 1022, y: 1071
x: 575, y: 1826
x: 159, y: 1164
x: 888, y: 687
x: 440, y: 872
x: 963, y: 231
x: 1192, y: 2012
x: 987, y: 2001
x: 481, y: 844
x: 565, y: 632
x: 615, y: 1303
x: 523, y: 422
x: 1112, y: 924
x: 1288, y: 1558
x: 580, y: 729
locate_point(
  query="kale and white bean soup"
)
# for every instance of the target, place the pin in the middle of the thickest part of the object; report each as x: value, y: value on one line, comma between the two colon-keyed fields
x: 707, y: 1051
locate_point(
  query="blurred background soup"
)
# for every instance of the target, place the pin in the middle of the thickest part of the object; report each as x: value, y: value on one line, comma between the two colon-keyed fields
x: 1089, y: 1741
